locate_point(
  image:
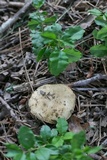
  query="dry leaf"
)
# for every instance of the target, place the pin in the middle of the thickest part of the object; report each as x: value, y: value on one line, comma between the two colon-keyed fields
x: 76, y: 124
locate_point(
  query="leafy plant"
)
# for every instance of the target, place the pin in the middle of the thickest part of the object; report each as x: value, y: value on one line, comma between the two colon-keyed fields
x: 100, y: 50
x: 51, y: 144
x: 51, y: 42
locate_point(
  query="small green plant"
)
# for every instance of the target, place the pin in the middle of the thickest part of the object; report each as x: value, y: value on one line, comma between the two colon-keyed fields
x: 100, y: 34
x: 51, y: 144
x: 51, y: 42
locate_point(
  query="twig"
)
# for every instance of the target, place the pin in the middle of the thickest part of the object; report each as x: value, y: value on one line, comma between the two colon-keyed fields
x: 10, y: 110
x: 6, y: 25
x: 26, y: 86
x: 27, y: 75
x: 89, y: 89
x: 66, y: 11
x: 13, y: 4
x: 88, y: 81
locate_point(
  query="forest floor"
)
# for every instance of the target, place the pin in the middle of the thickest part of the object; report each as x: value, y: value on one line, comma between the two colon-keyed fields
x: 18, y: 67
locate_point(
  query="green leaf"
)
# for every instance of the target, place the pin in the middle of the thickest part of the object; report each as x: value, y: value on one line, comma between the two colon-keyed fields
x: 67, y: 43
x: 73, y: 33
x: 57, y: 141
x: 73, y: 54
x: 58, y: 61
x: 102, y: 33
x: 93, y: 150
x: 37, y: 39
x: 53, y: 149
x: 49, y: 35
x: 38, y: 16
x: 31, y: 156
x: 105, y: 14
x: 26, y: 137
x: 45, y: 132
x: 67, y: 156
x: 99, y: 50
x: 62, y: 126
x: 95, y: 33
x: 38, y: 3
x: 95, y: 12
x: 32, y: 24
x: 54, y: 132
x: 39, y: 141
x: 43, y: 153
x: 49, y: 20
x: 13, y: 150
x: 56, y: 28
x: 41, y: 54
x: 68, y: 135
x: 100, y: 21
x: 65, y: 149
x: 78, y: 140
x: 20, y: 156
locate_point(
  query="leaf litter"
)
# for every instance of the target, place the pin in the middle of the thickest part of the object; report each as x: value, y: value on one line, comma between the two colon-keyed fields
x: 20, y: 74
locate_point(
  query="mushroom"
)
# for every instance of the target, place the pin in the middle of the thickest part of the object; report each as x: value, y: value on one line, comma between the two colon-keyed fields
x: 51, y: 101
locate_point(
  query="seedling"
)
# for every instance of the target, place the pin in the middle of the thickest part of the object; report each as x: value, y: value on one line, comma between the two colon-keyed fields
x: 51, y: 144
x: 51, y: 42
x: 100, y: 50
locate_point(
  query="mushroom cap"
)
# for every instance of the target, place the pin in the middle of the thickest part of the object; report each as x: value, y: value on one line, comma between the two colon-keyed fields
x: 51, y: 101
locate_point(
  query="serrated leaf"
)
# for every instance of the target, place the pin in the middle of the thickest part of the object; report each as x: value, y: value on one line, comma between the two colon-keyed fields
x: 73, y: 33
x: 26, y: 137
x: 43, y: 153
x: 95, y: 12
x: 37, y: 39
x: 73, y: 54
x: 99, y: 50
x: 13, y: 150
x: 58, y: 61
x: 57, y: 141
x: 45, y: 132
x: 62, y: 126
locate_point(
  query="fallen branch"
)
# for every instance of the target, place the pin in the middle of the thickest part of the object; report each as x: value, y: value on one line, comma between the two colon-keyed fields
x: 6, y: 25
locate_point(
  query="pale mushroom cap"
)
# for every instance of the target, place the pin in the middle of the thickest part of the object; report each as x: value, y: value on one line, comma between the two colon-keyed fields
x: 51, y: 101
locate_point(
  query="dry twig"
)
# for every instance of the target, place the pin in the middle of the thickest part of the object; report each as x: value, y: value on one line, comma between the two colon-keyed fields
x: 6, y: 25
x: 12, y: 4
